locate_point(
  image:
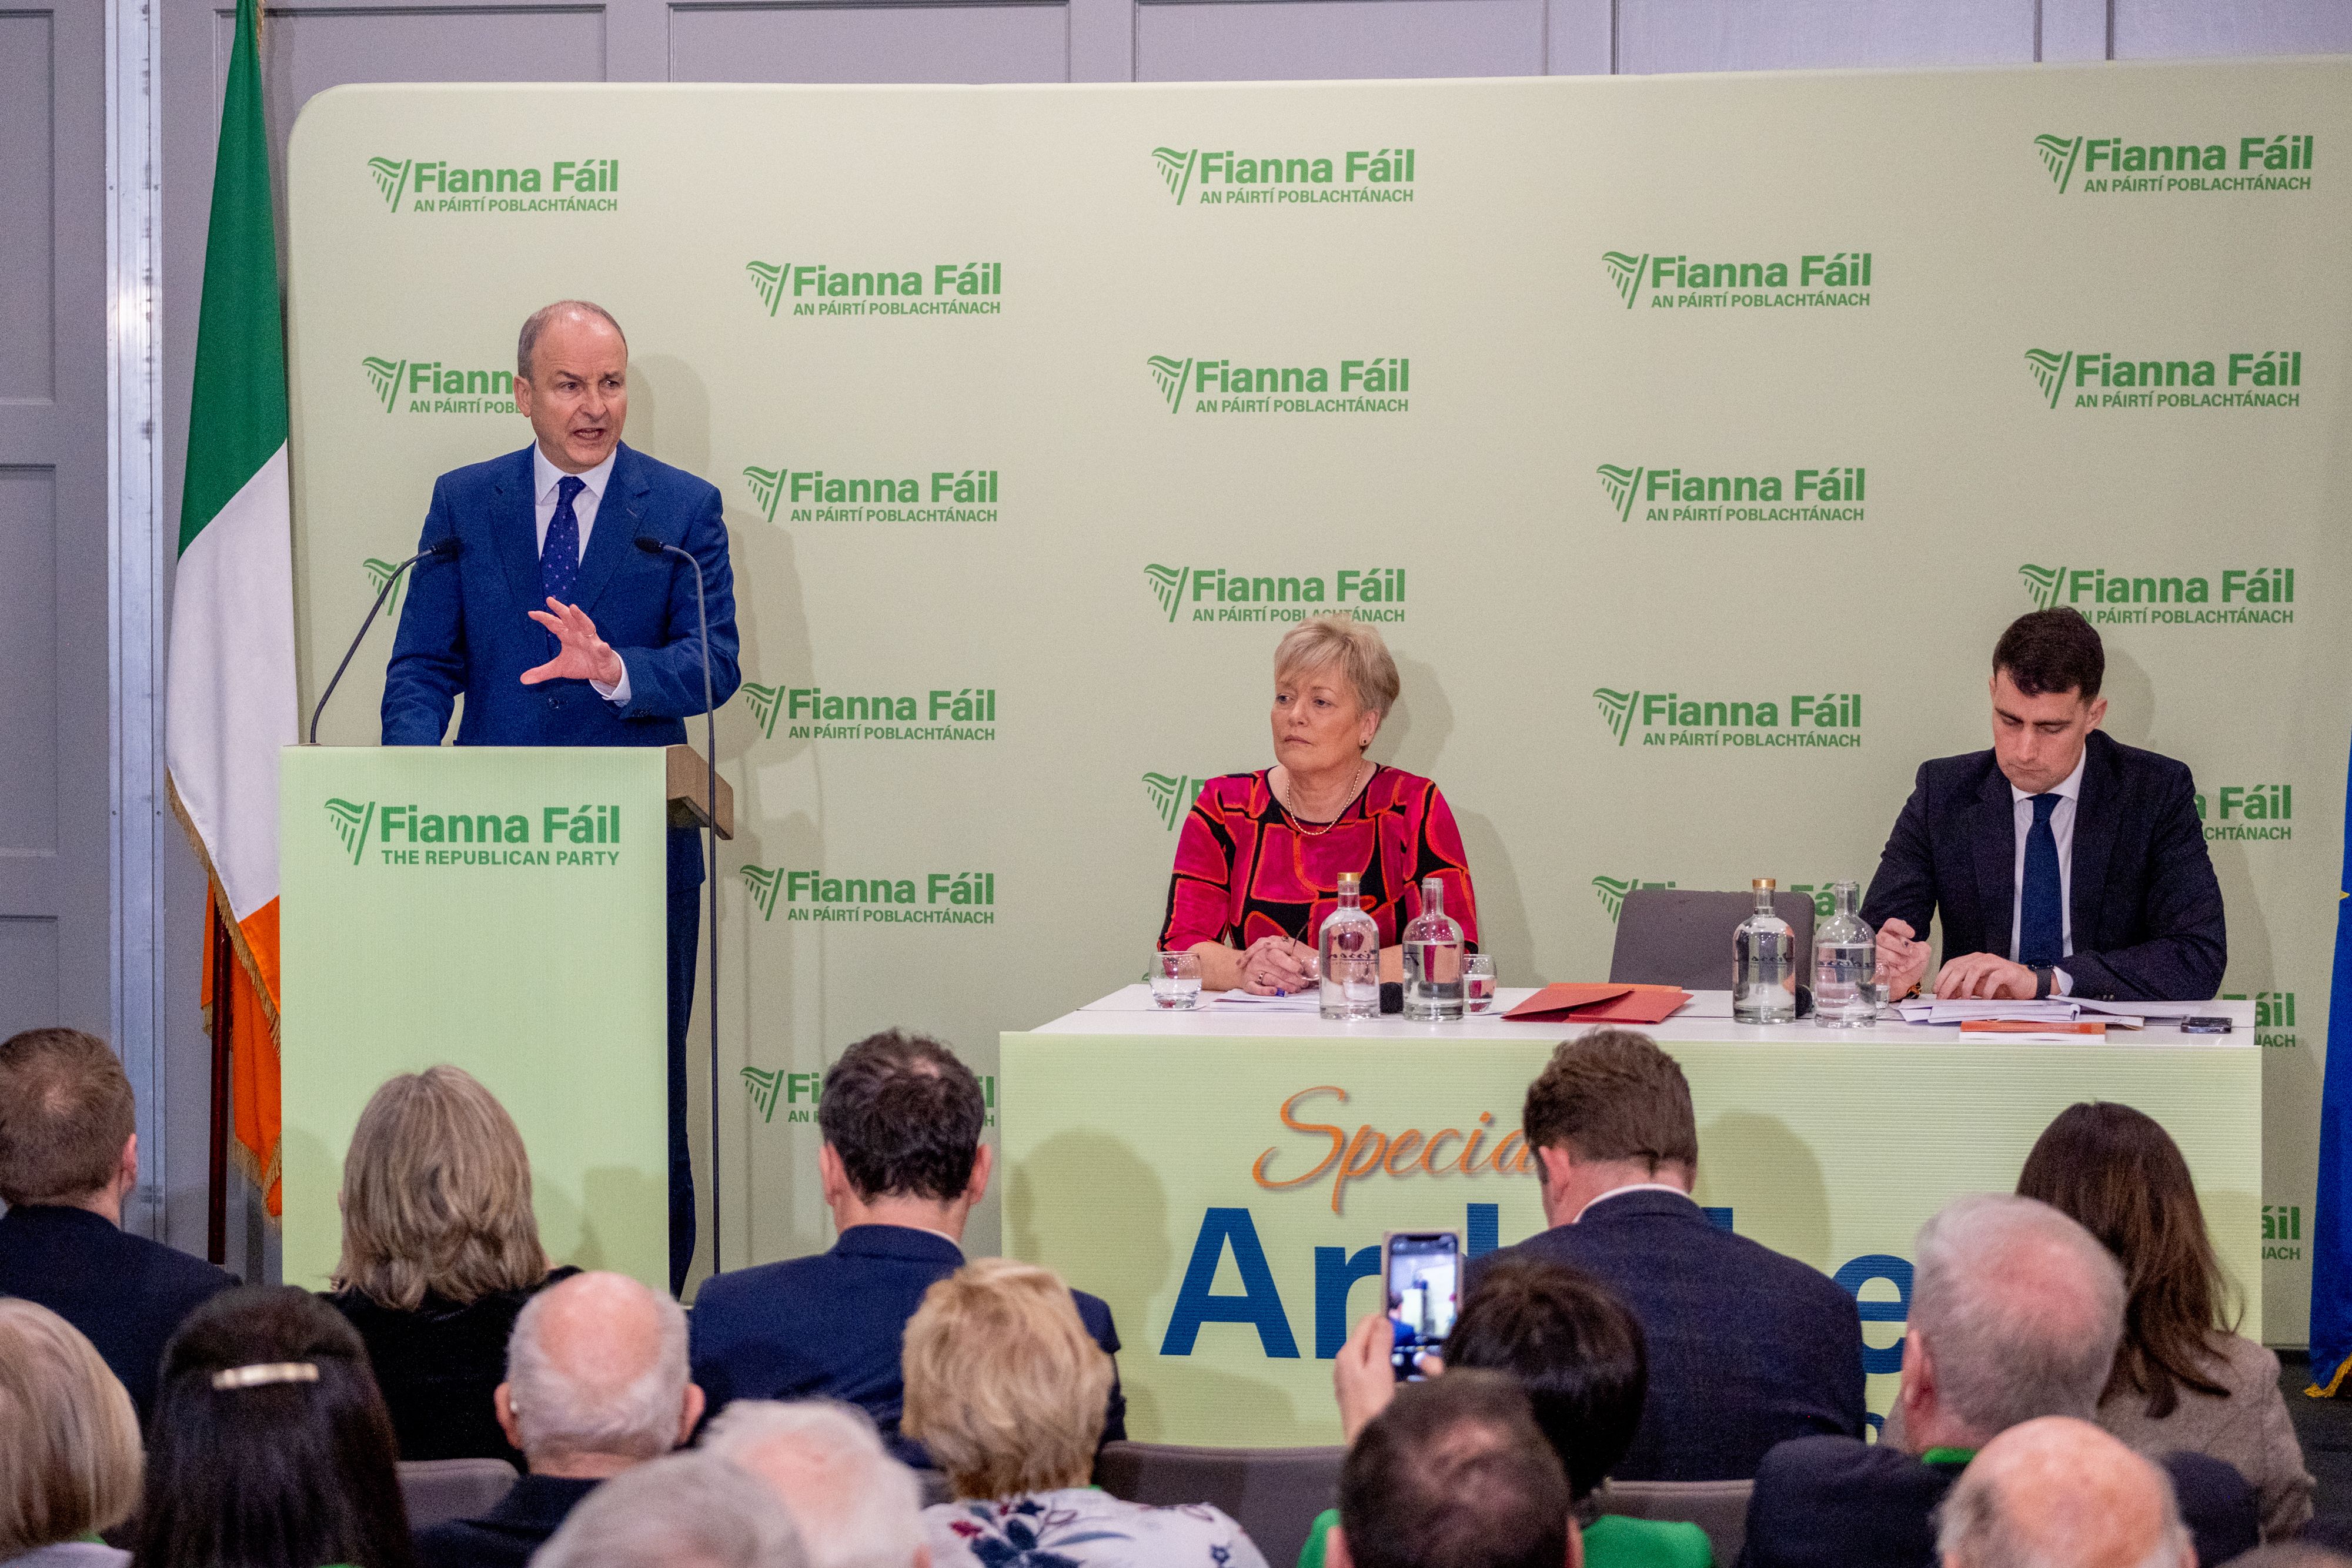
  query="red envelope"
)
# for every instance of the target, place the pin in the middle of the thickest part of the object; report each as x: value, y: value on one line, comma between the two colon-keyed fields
x: 1642, y: 1003
x: 1559, y: 1001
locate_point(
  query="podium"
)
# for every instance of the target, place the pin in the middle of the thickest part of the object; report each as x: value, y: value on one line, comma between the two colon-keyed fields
x: 503, y: 910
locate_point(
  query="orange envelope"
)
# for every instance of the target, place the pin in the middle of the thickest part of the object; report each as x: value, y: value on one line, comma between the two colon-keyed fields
x: 2026, y: 1026
x: 1600, y: 1003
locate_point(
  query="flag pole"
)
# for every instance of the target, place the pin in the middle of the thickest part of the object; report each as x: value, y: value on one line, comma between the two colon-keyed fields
x: 216, y: 1189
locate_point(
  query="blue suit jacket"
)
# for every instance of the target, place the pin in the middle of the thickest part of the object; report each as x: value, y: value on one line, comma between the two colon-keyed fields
x: 2145, y: 907
x: 1747, y: 1348
x: 832, y: 1325
x: 465, y: 627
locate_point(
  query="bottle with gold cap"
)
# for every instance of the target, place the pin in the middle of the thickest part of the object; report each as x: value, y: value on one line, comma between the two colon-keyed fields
x: 1763, y: 964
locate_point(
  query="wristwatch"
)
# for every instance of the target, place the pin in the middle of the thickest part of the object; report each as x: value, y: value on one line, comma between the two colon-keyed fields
x: 2042, y: 981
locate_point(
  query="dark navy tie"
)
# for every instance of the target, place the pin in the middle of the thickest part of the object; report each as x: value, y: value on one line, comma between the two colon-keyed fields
x: 2041, y: 928
x: 558, y: 559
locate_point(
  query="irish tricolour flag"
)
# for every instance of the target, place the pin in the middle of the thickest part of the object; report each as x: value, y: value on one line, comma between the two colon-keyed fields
x: 232, y: 698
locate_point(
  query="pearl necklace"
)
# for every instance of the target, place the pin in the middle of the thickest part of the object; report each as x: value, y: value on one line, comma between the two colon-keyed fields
x: 1300, y: 826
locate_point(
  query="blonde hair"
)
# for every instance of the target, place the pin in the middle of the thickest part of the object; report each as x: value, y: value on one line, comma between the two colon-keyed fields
x: 436, y: 1194
x: 1004, y: 1384
x: 1356, y: 646
x: 69, y: 1460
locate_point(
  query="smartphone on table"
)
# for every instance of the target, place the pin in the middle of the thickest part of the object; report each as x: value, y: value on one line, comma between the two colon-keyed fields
x: 1420, y: 1283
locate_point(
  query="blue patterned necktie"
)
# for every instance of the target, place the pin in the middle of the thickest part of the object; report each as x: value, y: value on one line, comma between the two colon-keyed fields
x: 2041, y: 929
x: 558, y: 559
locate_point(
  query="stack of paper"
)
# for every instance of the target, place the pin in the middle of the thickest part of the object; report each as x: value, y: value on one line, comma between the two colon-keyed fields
x: 1306, y: 1002
x: 2054, y: 1010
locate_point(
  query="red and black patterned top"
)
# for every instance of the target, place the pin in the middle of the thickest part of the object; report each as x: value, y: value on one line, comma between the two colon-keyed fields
x: 1243, y: 871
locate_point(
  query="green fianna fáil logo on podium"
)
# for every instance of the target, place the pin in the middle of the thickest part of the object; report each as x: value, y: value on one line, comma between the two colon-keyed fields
x: 763, y: 1088
x: 351, y: 820
x: 2058, y: 155
x: 380, y: 572
x: 391, y: 178
x: 1173, y: 795
x: 1176, y: 169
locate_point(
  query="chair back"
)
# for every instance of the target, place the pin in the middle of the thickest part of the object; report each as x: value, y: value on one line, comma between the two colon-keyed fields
x: 438, y: 1491
x: 1720, y: 1507
x: 1671, y: 937
x: 1273, y: 1493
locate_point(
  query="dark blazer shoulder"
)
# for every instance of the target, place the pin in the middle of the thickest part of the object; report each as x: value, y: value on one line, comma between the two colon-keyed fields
x: 1094, y: 1314
x: 633, y: 468
x: 479, y: 479
x: 1958, y: 777
x: 2137, y: 765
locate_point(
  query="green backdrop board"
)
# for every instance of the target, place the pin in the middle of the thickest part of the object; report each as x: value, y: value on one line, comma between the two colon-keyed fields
x: 501, y: 909
x: 1236, y: 1242
x: 1691, y: 439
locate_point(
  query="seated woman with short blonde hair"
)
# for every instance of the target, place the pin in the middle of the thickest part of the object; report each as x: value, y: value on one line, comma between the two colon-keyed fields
x: 440, y: 1252
x: 1006, y: 1389
x: 69, y: 1464
x: 1260, y: 856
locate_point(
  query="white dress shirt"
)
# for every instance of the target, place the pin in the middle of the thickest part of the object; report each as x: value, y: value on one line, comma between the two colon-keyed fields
x: 550, y: 480
x: 2062, y: 828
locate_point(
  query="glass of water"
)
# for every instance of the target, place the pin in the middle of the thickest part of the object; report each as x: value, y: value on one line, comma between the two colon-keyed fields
x: 1478, y: 982
x: 1176, y: 979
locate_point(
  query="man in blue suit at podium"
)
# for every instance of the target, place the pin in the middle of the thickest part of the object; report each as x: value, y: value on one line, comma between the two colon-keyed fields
x: 560, y: 630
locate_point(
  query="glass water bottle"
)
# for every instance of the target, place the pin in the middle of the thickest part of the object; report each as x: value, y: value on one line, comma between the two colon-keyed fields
x: 1433, y: 960
x: 1845, y: 964
x: 1350, y: 948
x: 1763, y: 964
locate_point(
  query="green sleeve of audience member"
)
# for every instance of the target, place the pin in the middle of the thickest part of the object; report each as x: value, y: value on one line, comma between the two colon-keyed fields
x: 1311, y: 1554
x: 1613, y: 1540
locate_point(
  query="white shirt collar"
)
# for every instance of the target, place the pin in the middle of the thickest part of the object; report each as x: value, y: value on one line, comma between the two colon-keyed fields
x: 548, y: 475
x: 2071, y: 786
x: 1629, y: 1187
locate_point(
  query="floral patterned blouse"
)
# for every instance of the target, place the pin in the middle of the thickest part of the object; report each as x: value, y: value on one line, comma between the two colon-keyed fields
x: 1082, y: 1527
x: 1244, y: 870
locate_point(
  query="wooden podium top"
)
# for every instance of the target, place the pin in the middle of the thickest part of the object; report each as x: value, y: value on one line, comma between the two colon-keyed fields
x: 688, y: 781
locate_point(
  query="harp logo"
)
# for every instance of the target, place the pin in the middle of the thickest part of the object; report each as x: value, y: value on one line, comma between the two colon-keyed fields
x: 931, y: 496
x: 2098, y: 378
x: 768, y: 278
x: 1173, y: 795
x: 2251, y: 595
x: 432, y: 386
x: 440, y: 186
x: 1616, y: 710
x: 1176, y: 169
x: 2110, y: 165
x: 819, y: 288
x: 385, y: 376
x: 767, y: 484
x: 1167, y: 583
x: 1217, y: 593
x: 1829, y: 494
x: 812, y: 713
x: 1625, y: 272
x: 380, y: 572
x: 937, y: 898
x: 1375, y: 385
x: 765, y: 703
x: 1611, y: 892
x: 1171, y: 375
x: 1829, y: 720
x: 2050, y: 368
x: 1620, y: 485
x: 391, y: 178
x: 351, y: 820
x: 1814, y: 279
x: 761, y: 884
x: 761, y: 1087
x: 2042, y: 583
x: 2058, y: 156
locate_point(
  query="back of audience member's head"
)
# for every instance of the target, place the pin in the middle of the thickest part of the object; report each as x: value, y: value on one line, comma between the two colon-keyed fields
x: 855, y: 1506
x: 687, y: 1510
x: 2019, y: 1310
x: 1612, y: 1095
x: 1453, y: 1474
x: 2055, y: 1492
x: 68, y: 1436
x: 66, y: 1116
x: 2119, y: 1174
x: 904, y: 1116
x: 2291, y: 1554
x: 271, y: 1446
x: 596, y: 1367
x: 1571, y: 1346
x: 436, y: 1194
x: 1004, y: 1385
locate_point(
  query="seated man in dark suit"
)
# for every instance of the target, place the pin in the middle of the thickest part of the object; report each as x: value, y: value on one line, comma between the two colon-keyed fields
x: 2061, y: 862
x: 902, y: 1164
x: 1747, y: 1348
x: 2015, y: 1314
x: 69, y: 1156
x: 596, y: 1383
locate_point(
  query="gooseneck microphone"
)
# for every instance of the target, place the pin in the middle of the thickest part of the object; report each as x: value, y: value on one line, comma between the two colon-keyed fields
x: 652, y: 546
x: 447, y: 549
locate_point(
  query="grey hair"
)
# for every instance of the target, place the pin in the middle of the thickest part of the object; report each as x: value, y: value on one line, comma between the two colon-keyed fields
x: 688, y: 1511
x: 1972, y: 1530
x: 556, y: 1416
x: 536, y: 322
x: 2022, y: 1307
x: 861, y: 1507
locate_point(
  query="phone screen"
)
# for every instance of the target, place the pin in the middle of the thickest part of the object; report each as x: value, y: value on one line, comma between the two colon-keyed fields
x: 1421, y: 1272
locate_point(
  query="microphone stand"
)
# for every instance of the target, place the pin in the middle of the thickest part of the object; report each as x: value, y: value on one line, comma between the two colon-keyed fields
x: 445, y: 548
x: 653, y: 546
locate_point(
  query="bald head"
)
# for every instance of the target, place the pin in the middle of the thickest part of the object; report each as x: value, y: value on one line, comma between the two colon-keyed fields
x: 596, y: 1376
x: 2058, y: 1491
x: 855, y: 1506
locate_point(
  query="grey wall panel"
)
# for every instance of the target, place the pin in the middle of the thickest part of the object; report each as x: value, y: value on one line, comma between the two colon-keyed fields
x: 2173, y: 29
x: 28, y: 964
x: 29, y: 736
x: 1781, y: 35
x: 810, y: 43
x: 1320, y: 40
x: 28, y: 232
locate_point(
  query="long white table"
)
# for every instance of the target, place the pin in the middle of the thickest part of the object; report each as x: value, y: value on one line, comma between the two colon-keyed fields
x: 1222, y: 1176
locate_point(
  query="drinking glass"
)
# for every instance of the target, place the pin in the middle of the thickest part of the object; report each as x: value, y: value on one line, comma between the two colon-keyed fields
x: 1176, y: 979
x: 1478, y: 982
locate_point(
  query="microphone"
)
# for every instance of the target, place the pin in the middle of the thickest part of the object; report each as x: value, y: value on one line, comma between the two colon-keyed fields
x: 652, y: 546
x: 447, y: 549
